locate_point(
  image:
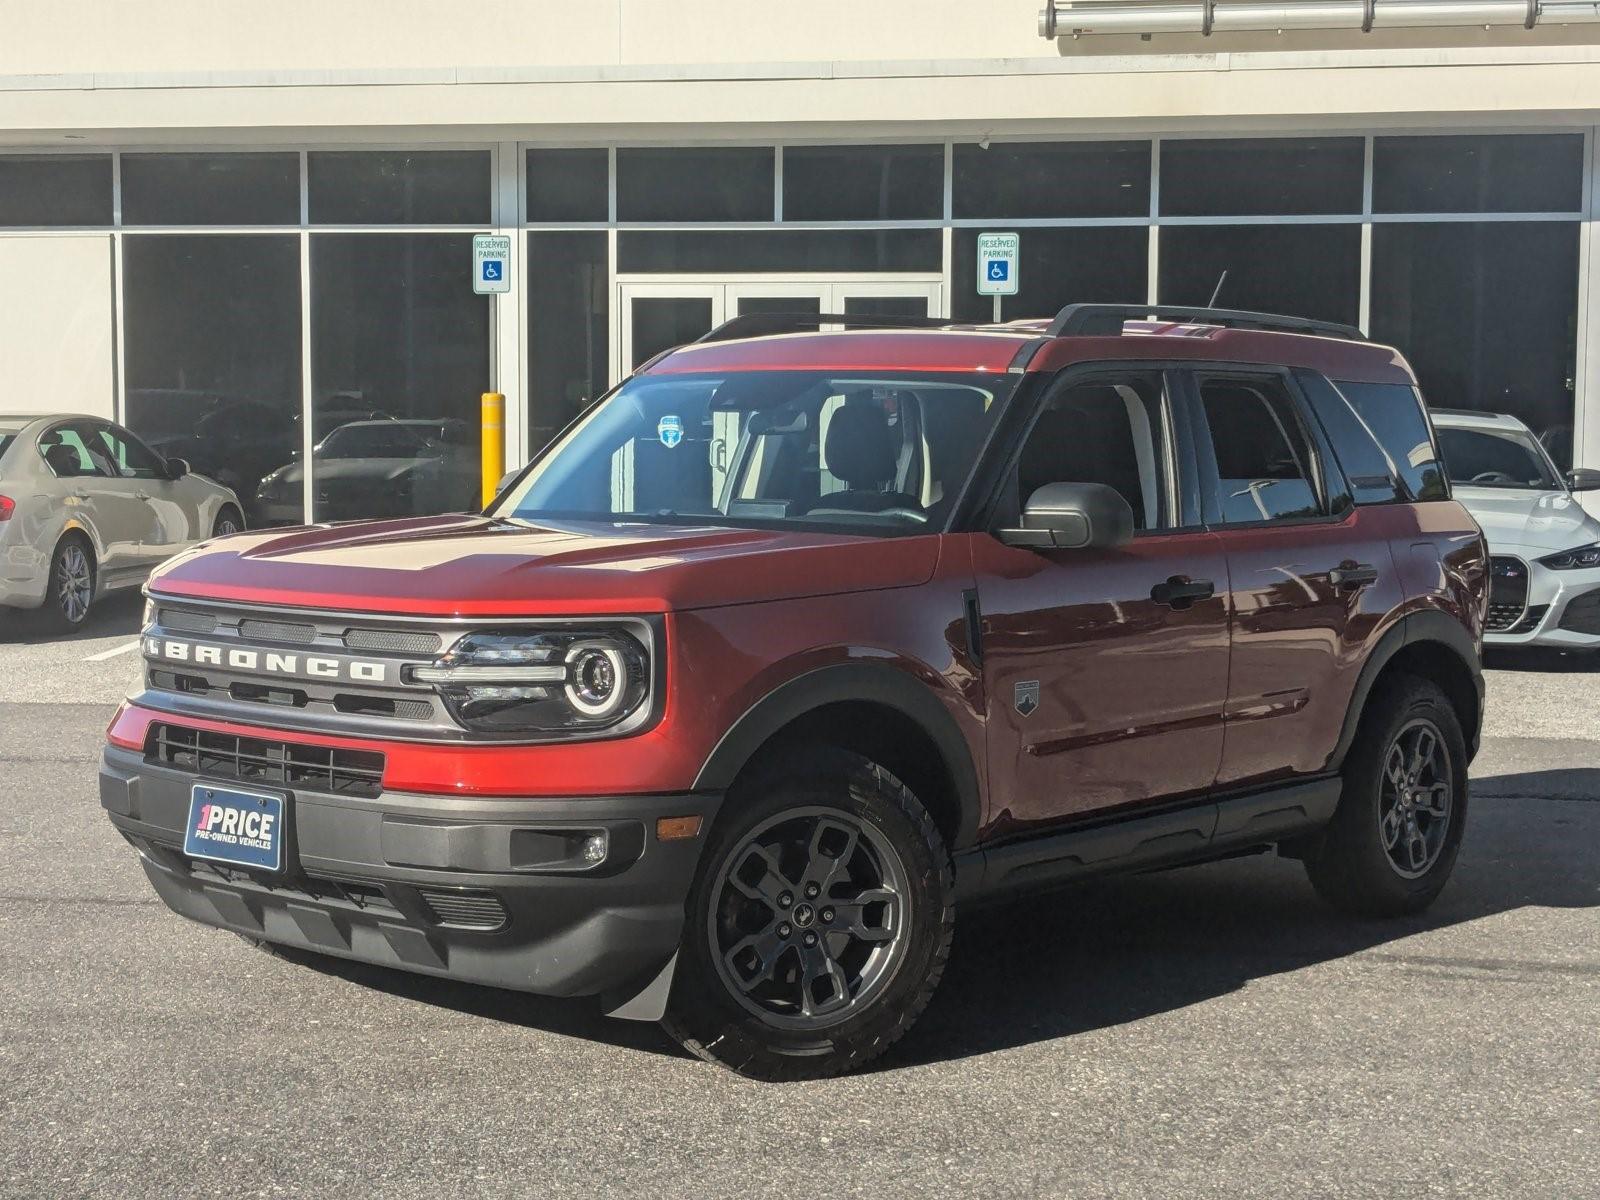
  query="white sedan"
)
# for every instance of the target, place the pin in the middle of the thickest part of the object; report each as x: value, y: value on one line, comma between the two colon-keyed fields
x: 1544, y: 548
x: 86, y: 508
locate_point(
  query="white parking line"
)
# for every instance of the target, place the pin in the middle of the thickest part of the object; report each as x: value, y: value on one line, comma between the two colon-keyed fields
x: 112, y: 653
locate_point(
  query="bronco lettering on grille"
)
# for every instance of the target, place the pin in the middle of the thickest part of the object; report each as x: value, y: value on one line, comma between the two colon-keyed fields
x: 270, y: 662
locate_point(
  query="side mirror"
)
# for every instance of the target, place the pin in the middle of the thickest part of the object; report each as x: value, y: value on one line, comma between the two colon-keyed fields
x: 177, y: 468
x: 1073, y: 516
x: 1583, y: 479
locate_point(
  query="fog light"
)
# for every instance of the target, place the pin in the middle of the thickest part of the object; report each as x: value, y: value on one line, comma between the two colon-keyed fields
x: 594, y: 849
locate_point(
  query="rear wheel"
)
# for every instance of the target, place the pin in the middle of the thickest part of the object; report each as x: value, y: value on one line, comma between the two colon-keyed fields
x: 1394, y: 838
x: 71, y: 591
x: 819, y: 924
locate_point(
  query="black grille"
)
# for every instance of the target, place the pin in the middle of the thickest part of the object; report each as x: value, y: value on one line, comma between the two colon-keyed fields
x: 465, y: 910
x: 277, y: 631
x: 1582, y: 614
x: 186, y: 622
x: 396, y: 640
x: 365, y: 896
x: 1508, y: 592
x: 1530, y: 619
x: 256, y: 760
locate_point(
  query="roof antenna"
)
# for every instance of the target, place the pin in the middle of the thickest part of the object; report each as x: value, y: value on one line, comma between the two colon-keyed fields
x: 1221, y: 279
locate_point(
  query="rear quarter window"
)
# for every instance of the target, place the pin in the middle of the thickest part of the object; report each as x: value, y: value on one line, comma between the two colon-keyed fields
x: 1394, y: 414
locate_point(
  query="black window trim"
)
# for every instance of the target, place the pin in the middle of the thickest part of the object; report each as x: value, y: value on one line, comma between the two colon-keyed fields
x: 1206, y: 456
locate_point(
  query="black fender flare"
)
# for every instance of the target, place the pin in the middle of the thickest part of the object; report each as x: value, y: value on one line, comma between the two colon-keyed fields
x: 852, y: 682
x: 1429, y: 625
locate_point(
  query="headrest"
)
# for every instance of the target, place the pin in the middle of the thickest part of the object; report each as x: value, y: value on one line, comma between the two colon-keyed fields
x: 859, y: 450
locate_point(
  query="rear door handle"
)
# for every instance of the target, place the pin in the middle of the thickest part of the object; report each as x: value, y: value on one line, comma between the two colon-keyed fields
x: 1180, y: 591
x: 81, y: 494
x: 1353, y: 575
x: 142, y: 495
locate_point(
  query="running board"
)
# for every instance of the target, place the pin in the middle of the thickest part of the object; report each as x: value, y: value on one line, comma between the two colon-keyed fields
x: 1205, y: 829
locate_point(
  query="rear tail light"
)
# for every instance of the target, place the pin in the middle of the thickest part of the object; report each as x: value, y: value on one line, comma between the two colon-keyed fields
x: 7, y: 507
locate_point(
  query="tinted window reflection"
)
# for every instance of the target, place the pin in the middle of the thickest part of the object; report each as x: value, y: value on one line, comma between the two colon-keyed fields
x: 213, y: 355
x: 400, y: 362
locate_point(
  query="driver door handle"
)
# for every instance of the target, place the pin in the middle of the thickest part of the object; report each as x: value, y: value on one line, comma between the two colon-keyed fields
x: 1353, y: 575
x: 1180, y: 592
x: 81, y: 494
x: 142, y: 495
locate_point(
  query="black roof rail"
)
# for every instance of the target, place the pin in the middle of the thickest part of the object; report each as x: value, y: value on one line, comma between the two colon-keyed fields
x: 1105, y: 320
x: 755, y: 324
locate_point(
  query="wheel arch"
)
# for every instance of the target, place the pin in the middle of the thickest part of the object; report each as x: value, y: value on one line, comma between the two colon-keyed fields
x: 875, y: 710
x: 1435, y: 646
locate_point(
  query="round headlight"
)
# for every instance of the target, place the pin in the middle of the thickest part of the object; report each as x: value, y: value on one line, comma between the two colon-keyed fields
x: 599, y: 674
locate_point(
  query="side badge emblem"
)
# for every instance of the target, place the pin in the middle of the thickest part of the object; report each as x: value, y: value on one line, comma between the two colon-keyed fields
x: 1026, y: 696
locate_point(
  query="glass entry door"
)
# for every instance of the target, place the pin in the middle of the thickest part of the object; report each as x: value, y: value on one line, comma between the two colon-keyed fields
x: 659, y: 315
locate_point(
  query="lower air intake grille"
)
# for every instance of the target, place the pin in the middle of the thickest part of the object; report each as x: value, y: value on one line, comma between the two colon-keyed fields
x: 465, y: 910
x: 1582, y: 614
x: 256, y: 760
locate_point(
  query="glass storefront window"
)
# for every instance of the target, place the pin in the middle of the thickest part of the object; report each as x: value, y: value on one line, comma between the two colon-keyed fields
x: 55, y: 189
x: 1298, y: 270
x: 1503, y: 172
x: 1245, y: 177
x: 211, y: 189
x: 1052, y: 179
x: 1486, y: 313
x: 398, y: 187
x: 1058, y: 267
x: 400, y: 360
x: 567, y: 185
x: 863, y: 183
x: 790, y: 251
x: 213, y: 356
x: 710, y: 183
x: 568, y: 329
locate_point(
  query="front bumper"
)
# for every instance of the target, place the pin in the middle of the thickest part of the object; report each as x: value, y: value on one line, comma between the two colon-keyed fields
x: 478, y: 890
x: 1562, y: 609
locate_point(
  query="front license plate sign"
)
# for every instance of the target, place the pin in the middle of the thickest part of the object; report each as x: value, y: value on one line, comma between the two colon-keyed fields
x: 230, y: 826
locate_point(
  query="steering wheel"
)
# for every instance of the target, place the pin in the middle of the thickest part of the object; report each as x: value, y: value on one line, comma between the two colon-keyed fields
x: 1492, y: 477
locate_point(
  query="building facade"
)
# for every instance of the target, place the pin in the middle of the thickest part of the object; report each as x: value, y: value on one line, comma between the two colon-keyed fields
x: 246, y: 232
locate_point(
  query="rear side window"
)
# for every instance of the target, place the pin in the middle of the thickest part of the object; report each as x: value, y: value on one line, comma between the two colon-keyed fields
x: 1394, y: 414
x: 1373, y: 476
x: 1263, y: 455
x: 70, y: 453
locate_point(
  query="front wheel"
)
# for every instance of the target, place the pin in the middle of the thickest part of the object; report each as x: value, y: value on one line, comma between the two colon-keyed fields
x: 1393, y: 840
x: 228, y: 522
x: 819, y: 924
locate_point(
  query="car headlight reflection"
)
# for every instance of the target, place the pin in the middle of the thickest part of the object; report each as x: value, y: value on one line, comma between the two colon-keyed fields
x: 542, y: 681
x: 1577, y: 559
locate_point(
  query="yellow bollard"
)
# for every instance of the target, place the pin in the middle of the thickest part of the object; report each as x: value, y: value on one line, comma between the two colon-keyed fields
x: 494, y: 443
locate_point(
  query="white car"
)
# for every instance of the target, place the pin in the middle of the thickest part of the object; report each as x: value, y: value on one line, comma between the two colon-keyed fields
x: 86, y: 508
x: 1545, y: 549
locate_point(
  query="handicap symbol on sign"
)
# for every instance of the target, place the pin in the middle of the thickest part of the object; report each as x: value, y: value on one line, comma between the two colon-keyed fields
x: 999, y: 270
x: 491, y: 269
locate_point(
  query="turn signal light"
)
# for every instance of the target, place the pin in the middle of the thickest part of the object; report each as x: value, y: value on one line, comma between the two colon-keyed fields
x: 7, y: 507
x: 673, y: 829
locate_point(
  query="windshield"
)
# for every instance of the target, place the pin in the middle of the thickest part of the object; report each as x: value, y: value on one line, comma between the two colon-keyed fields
x: 385, y: 439
x: 866, y: 452
x: 1497, y: 458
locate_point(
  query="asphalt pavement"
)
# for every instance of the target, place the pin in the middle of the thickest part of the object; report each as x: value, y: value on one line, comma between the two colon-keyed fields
x: 1210, y: 1032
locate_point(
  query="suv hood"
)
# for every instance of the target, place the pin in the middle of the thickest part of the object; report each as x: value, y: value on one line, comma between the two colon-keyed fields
x: 474, y: 566
x: 1538, y: 521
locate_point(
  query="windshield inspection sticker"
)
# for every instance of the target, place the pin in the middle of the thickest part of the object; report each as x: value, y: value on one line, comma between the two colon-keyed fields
x: 670, y: 430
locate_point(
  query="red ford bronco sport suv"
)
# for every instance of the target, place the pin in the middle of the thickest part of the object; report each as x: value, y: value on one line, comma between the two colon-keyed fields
x: 795, y: 643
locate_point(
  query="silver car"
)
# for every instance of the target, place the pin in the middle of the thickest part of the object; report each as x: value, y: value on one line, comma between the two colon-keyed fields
x: 1544, y: 548
x: 87, y: 508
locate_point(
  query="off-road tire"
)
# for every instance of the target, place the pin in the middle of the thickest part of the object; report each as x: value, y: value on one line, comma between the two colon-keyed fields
x: 703, y: 1013
x: 1350, y: 867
